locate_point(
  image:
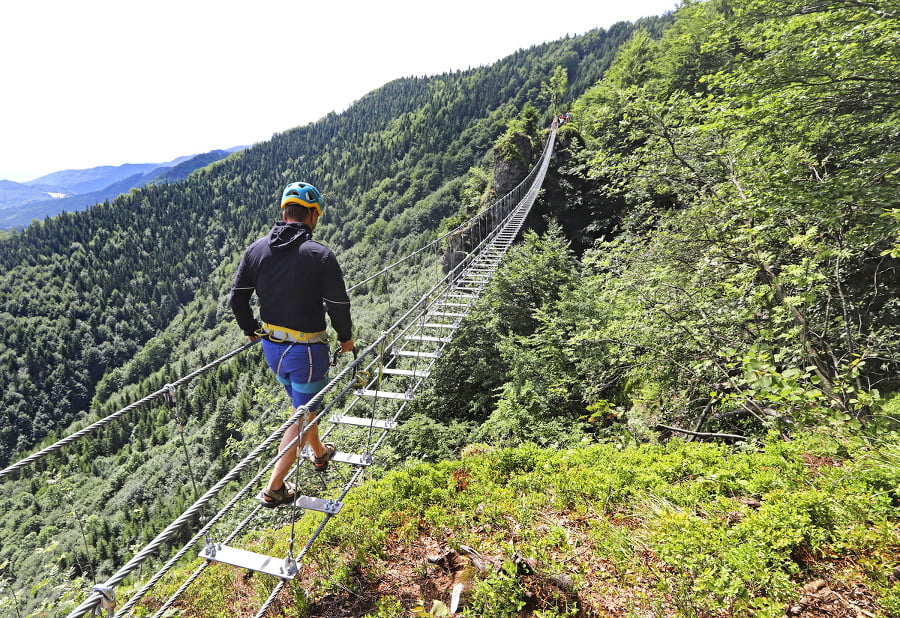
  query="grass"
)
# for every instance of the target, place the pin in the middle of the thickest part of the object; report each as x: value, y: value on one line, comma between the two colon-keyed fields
x: 680, y: 529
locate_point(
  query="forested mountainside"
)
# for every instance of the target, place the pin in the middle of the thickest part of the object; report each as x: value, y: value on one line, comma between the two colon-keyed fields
x: 729, y: 187
x: 100, y: 307
x: 750, y: 164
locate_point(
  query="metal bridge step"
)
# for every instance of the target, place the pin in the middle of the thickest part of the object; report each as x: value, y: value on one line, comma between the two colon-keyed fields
x: 363, y: 422
x: 436, y: 325
x: 428, y: 338
x: 441, y: 314
x: 384, y: 394
x: 309, y: 503
x: 278, y: 567
x: 353, y: 459
x: 413, y: 373
x: 417, y: 354
x: 341, y: 457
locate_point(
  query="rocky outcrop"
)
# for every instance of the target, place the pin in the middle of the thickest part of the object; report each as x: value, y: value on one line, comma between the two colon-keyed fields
x: 512, y: 161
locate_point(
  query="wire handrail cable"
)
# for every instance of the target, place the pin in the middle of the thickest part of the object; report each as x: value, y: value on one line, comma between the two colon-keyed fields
x: 108, y: 419
x: 456, y: 230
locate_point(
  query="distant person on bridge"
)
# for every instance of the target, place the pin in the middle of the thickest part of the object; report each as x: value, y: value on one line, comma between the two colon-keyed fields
x: 297, y: 280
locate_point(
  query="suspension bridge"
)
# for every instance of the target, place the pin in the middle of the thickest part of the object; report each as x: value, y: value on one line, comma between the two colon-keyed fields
x: 360, y: 406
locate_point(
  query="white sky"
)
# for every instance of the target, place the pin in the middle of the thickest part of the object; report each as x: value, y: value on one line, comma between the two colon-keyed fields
x: 105, y: 82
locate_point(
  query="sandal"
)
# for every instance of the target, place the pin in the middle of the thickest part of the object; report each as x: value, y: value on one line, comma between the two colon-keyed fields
x: 320, y: 464
x: 271, y: 498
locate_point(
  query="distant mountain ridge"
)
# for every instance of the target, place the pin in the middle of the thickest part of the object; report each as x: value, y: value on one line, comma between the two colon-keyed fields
x: 96, y: 178
x: 74, y: 190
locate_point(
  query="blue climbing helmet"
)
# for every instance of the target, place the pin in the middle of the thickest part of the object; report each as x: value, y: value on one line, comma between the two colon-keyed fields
x: 304, y: 194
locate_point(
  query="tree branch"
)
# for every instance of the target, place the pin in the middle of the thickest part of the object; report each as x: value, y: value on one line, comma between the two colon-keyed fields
x: 871, y: 7
x: 800, y: 321
x: 701, y: 434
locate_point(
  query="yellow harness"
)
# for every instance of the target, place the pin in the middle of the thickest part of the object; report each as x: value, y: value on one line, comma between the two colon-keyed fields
x: 280, y: 334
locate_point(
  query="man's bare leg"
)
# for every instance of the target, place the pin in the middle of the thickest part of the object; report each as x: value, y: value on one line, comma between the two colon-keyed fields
x: 283, y: 465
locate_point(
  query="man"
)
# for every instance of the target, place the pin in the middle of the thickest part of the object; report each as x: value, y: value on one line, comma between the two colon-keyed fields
x: 296, y: 280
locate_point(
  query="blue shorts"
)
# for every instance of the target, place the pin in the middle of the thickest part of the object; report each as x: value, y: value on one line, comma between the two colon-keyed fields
x: 302, y: 368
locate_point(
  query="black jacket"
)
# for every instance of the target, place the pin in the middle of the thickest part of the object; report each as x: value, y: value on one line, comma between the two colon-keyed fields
x: 296, y: 280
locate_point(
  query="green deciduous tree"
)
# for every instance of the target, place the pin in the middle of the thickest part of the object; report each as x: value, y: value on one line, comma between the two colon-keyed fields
x: 759, y: 166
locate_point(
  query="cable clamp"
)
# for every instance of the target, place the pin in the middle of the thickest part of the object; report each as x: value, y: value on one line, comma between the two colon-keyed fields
x: 290, y: 567
x: 107, y: 599
x: 209, y: 547
x: 170, y: 393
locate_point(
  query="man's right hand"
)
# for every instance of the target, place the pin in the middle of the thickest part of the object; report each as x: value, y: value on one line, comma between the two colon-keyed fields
x: 347, y: 346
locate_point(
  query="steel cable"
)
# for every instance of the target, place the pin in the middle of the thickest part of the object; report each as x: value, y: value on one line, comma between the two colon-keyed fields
x: 105, y: 421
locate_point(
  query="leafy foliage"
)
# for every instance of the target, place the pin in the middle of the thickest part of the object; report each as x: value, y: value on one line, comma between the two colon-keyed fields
x: 755, y: 252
